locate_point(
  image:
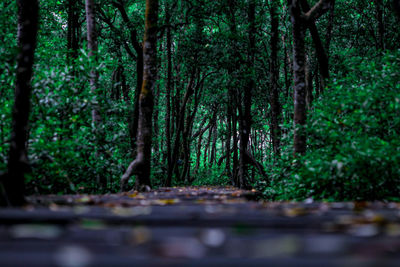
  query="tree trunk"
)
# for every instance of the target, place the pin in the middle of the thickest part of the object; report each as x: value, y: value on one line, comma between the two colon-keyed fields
x: 141, y: 165
x: 228, y: 139
x: 156, y: 146
x: 298, y: 25
x: 245, y: 114
x: 72, y: 30
x: 323, y: 61
x: 274, y: 74
x: 300, y: 21
x: 235, y: 161
x: 180, y: 125
x: 168, y: 95
x: 133, y: 119
x: 93, y: 48
x: 309, y: 83
x: 381, y: 25
x: 12, y: 183
x: 396, y: 7
x: 213, y: 154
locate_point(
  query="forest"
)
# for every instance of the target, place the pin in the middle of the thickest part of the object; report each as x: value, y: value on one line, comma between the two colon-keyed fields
x: 296, y: 99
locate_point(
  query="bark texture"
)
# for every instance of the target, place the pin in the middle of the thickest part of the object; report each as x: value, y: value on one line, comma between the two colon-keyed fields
x: 12, y: 183
x: 141, y: 165
x: 300, y: 21
x: 298, y: 24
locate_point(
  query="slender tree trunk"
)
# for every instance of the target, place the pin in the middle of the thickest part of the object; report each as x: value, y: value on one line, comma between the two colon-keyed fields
x: 133, y: 119
x: 274, y: 74
x: 299, y: 77
x: 235, y: 161
x: 168, y: 94
x: 135, y: 116
x: 141, y: 165
x: 309, y: 83
x: 93, y: 49
x: 214, y: 145
x: 245, y: 115
x: 322, y: 57
x: 198, y: 153
x: 381, y: 25
x: 156, y: 145
x: 180, y: 126
x: 12, y: 186
x: 300, y: 21
x: 72, y: 30
x: 207, y: 148
x: 286, y: 68
x: 396, y: 7
x: 228, y: 139
x: 186, y: 150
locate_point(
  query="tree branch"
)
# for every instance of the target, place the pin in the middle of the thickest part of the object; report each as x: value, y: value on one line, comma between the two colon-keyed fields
x: 318, y: 10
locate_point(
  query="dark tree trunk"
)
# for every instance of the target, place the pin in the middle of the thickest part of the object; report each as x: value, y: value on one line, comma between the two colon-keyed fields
x: 228, y: 139
x: 299, y: 77
x: 309, y: 83
x: 141, y: 165
x: 200, y: 134
x: 245, y: 114
x: 133, y: 119
x: 156, y: 134
x: 135, y: 116
x: 235, y: 162
x: 323, y: 61
x: 186, y: 150
x: 396, y: 6
x: 207, y: 148
x: 300, y: 21
x: 72, y: 30
x: 12, y: 183
x: 213, y: 154
x: 381, y: 25
x: 93, y: 49
x: 274, y: 74
x: 168, y: 95
x: 180, y: 126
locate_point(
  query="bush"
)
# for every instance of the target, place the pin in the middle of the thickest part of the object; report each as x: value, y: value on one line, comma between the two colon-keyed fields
x: 353, y: 132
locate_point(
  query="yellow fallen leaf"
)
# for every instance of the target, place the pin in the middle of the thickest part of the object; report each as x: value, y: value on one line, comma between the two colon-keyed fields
x: 167, y: 201
x: 134, y: 194
x: 295, y: 211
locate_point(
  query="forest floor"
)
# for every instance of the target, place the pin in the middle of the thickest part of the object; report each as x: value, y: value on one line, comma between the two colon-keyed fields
x: 197, y: 226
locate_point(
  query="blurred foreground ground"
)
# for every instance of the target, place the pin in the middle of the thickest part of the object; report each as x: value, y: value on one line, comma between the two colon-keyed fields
x: 197, y: 226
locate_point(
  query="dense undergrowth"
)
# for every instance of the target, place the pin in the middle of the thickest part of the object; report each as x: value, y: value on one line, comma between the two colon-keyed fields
x: 353, y: 132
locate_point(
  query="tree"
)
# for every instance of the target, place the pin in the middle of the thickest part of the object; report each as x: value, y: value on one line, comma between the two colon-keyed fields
x: 300, y: 20
x: 73, y: 29
x: 396, y: 5
x: 12, y: 183
x: 274, y: 77
x: 93, y: 49
x: 141, y: 165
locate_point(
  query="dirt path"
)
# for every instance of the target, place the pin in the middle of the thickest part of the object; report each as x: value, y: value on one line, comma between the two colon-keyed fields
x: 197, y: 226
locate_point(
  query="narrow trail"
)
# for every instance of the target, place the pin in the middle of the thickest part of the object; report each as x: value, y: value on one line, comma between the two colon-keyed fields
x: 197, y: 226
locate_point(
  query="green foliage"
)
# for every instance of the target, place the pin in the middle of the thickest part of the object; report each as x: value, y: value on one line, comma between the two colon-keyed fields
x: 352, y: 128
x: 353, y: 133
